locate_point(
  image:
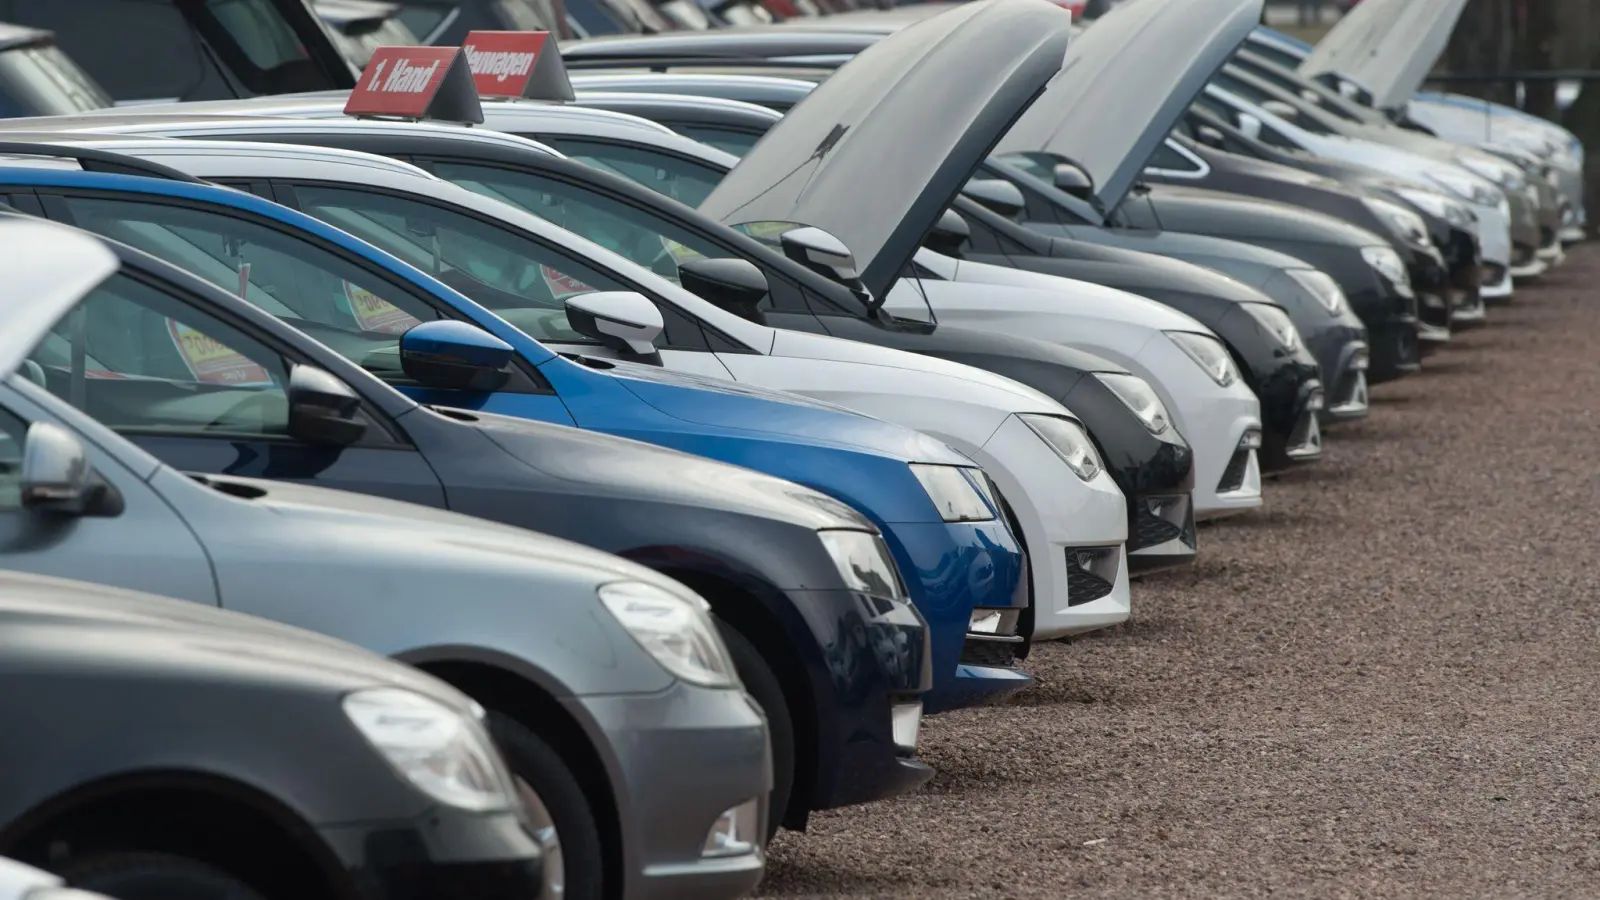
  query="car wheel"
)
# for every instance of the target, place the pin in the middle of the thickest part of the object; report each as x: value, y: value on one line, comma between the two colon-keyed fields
x: 155, y: 876
x: 764, y: 686
x: 558, y: 810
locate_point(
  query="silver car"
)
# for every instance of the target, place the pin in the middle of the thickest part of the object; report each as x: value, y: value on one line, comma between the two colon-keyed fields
x: 572, y: 651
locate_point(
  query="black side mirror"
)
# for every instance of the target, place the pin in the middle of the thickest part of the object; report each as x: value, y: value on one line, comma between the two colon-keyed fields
x: 997, y: 195
x: 455, y: 356
x: 322, y: 408
x: 735, y: 285
x: 57, y: 479
x: 1211, y: 136
x: 948, y: 235
x: 1071, y: 178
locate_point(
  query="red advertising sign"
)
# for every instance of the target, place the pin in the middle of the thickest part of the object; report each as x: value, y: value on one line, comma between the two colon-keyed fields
x: 416, y: 83
x: 212, y: 361
x: 517, y: 64
x: 562, y: 286
x: 502, y: 61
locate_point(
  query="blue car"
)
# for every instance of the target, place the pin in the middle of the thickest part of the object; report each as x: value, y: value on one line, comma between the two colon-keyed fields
x: 955, y: 561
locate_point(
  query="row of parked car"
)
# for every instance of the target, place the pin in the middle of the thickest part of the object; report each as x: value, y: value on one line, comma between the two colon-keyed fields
x: 581, y: 461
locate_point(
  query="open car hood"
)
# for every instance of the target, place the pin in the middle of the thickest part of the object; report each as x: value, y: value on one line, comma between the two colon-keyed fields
x: 1388, y: 46
x: 878, y: 150
x: 1126, y: 82
x: 50, y: 268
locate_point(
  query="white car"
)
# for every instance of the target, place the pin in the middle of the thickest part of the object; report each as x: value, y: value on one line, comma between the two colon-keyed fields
x: 1487, y: 201
x: 20, y: 882
x: 1035, y: 450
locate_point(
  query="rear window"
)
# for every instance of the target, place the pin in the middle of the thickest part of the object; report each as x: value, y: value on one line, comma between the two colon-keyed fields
x: 143, y: 50
x: 43, y: 81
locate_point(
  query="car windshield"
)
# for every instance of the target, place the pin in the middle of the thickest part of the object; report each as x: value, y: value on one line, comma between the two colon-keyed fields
x: 359, y: 48
x: 426, y: 19
x: 43, y: 81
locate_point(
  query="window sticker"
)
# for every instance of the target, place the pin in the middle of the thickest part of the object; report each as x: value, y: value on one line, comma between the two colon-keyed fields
x: 562, y: 286
x: 680, y: 253
x: 212, y: 361
x: 373, y: 313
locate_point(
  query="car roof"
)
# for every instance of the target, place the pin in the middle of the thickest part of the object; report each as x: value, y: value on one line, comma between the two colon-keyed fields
x: 287, y: 160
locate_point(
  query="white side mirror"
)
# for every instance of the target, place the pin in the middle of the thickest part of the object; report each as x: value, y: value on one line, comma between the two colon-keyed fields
x: 620, y: 318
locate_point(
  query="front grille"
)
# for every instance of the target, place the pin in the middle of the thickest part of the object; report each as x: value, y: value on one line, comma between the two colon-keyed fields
x: 1087, y: 579
x: 1152, y: 530
x: 996, y: 654
x: 1233, y: 475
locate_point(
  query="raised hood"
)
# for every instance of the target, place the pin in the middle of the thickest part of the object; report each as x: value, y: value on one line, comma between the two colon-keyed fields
x: 1388, y: 46
x: 877, y: 151
x: 1126, y: 82
x: 49, y: 268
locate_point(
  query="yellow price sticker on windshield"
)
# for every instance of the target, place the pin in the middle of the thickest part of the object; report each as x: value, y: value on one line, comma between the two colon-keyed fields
x: 212, y: 361
x: 373, y: 313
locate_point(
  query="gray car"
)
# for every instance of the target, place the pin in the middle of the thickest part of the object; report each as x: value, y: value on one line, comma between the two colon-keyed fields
x: 562, y: 644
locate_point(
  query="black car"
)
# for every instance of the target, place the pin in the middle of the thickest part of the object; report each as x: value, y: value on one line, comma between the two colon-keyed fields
x: 1216, y: 143
x: 832, y: 668
x: 191, y: 50
x: 158, y: 749
x: 786, y: 293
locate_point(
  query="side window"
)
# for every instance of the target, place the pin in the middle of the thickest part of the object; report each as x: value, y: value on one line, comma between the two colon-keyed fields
x: 13, y: 432
x: 524, y: 282
x: 1170, y: 160
x: 725, y: 139
x: 683, y: 180
x: 139, y: 360
x: 638, y: 236
x: 322, y: 294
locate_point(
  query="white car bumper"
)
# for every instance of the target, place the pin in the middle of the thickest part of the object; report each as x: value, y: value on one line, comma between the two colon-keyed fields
x: 1074, y: 530
x: 1216, y: 421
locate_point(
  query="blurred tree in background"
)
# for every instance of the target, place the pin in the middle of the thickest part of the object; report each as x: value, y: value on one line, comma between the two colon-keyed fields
x: 1497, y: 36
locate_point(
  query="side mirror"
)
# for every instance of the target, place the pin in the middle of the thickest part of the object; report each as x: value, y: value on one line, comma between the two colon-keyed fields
x: 1250, y: 125
x: 997, y: 195
x: 322, y: 409
x: 455, y: 356
x: 624, y: 320
x: 1281, y: 109
x: 57, y: 479
x: 735, y: 285
x: 1071, y: 178
x: 1211, y: 136
x: 821, y: 252
x: 1310, y: 96
x: 948, y: 235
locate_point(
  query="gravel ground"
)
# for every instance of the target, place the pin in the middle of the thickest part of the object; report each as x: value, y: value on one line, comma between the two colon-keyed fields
x: 1382, y: 684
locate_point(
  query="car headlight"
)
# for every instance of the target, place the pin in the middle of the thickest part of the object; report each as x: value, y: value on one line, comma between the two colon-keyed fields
x: 673, y: 629
x: 1436, y: 204
x: 1501, y: 173
x: 1070, y: 442
x: 960, y: 492
x: 1405, y: 224
x: 1140, y: 398
x: 864, y: 562
x: 1276, y: 321
x: 1208, y: 353
x: 441, y: 752
x: 1388, y: 263
x: 1468, y: 187
x: 1320, y: 285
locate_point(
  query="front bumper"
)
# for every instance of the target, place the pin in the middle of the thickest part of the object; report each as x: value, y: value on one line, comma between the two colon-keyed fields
x: 683, y: 756
x: 952, y: 569
x: 447, y: 853
x: 1494, y: 245
x: 1057, y: 510
x: 1218, y: 422
x: 1525, y: 239
x: 1391, y: 320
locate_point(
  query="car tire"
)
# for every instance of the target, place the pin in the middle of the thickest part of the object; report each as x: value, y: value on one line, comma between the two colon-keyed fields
x: 155, y: 876
x: 542, y: 770
x: 764, y: 686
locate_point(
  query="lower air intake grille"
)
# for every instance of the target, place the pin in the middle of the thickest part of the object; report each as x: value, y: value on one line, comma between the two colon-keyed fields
x: 996, y: 654
x: 1233, y: 475
x: 1088, y: 578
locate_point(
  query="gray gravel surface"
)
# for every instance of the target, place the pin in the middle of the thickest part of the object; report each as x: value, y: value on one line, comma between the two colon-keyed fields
x: 1383, y: 684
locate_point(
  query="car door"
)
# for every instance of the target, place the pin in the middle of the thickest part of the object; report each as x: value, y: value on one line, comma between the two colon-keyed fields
x: 516, y: 275
x: 203, y: 392
x: 144, y: 547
